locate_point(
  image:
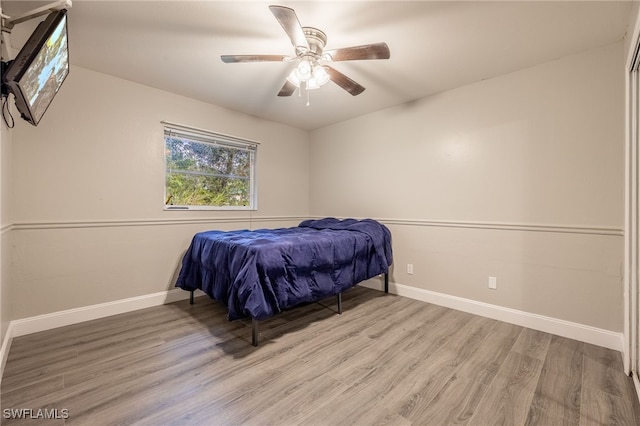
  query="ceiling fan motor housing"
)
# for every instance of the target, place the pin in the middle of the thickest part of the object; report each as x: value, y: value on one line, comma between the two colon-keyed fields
x: 316, y: 40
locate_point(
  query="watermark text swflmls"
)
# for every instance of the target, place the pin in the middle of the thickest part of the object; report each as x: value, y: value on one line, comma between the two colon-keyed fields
x: 35, y: 413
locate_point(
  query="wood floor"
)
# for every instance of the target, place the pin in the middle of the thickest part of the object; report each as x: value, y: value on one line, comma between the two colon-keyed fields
x: 385, y: 360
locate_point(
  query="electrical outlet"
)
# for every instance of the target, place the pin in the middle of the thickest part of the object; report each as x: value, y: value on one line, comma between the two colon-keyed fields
x: 493, y: 284
x: 410, y: 268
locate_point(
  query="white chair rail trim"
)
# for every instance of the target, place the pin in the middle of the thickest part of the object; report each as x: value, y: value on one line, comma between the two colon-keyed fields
x: 506, y: 226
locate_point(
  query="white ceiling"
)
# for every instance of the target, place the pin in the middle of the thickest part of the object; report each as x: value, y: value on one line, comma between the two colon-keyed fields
x: 435, y: 46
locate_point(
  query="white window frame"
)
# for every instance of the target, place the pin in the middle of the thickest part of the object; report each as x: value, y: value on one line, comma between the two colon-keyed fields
x: 218, y: 139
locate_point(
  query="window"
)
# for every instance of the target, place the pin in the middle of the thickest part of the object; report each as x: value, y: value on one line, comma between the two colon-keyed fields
x: 206, y: 170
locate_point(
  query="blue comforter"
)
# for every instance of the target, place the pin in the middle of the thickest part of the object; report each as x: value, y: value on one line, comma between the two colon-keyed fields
x: 260, y: 273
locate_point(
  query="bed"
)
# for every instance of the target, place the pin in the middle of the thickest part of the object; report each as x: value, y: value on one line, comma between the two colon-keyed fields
x: 259, y: 273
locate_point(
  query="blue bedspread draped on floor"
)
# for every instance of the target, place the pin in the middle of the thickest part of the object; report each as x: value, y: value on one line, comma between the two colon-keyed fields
x: 260, y: 273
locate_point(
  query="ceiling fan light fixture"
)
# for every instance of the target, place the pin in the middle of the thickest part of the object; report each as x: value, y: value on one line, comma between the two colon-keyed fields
x: 303, y: 71
x: 293, y: 78
x: 313, y: 76
x: 320, y: 75
x: 312, y: 84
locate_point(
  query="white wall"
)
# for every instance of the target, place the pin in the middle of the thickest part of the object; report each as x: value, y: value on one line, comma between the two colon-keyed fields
x: 88, y: 192
x: 518, y: 177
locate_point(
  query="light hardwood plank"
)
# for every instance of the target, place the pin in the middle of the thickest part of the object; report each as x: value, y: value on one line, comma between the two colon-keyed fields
x: 455, y: 403
x: 533, y: 343
x: 602, y: 408
x: 487, y: 359
x: 508, y: 398
x: 558, y: 393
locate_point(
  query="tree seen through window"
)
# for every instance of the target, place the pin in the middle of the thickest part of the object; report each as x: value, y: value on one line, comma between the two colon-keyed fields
x: 206, y: 174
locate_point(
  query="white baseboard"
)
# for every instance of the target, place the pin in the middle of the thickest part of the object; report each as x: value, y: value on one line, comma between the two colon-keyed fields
x: 4, y: 349
x: 45, y: 322
x: 88, y: 313
x: 571, y: 330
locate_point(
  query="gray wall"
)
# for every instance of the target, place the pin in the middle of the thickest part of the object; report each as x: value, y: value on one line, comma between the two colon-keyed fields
x: 88, y: 192
x: 518, y: 177
x: 514, y: 177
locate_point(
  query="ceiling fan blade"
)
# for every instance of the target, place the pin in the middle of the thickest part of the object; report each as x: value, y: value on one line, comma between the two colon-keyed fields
x: 229, y: 59
x: 287, y: 89
x: 367, y: 51
x: 343, y: 81
x: 289, y: 21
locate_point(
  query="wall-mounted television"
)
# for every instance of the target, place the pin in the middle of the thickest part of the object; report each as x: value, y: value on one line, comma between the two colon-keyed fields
x: 36, y: 74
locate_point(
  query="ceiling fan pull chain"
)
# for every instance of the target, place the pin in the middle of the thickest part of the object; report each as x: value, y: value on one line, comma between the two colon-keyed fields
x: 308, y: 96
x: 304, y: 88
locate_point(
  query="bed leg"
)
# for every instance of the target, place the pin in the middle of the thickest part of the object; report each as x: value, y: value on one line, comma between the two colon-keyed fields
x: 191, y: 298
x: 386, y: 282
x: 254, y: 332
x: 340, y: 303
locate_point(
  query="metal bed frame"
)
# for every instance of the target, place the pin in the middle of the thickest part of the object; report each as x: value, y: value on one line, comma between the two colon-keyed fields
x: 254, y: 322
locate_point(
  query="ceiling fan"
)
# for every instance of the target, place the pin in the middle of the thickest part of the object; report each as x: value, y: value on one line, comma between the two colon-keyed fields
x: 309, y: 73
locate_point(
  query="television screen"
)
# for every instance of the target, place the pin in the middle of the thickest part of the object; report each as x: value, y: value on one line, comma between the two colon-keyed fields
x: 42, y: 65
